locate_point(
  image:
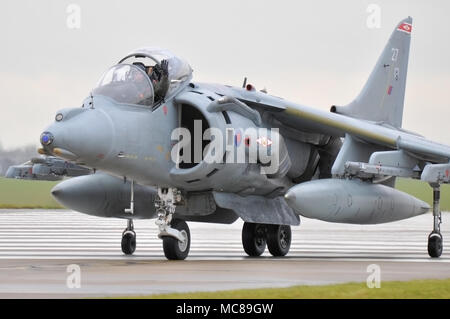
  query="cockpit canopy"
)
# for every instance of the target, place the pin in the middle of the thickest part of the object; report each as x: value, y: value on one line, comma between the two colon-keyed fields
x: 126, y: 84
x: 145, y: 77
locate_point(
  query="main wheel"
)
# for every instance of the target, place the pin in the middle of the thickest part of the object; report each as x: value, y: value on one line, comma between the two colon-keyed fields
x: 254, y: 238
x: 279, y: 239
x: 128, y: 242
x: 435, y: 245
x: 173, y: 248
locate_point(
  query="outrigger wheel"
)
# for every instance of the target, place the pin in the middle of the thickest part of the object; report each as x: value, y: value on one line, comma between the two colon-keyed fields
x: 435, y: 245
x: 129, y: 239
x: 435, y: 242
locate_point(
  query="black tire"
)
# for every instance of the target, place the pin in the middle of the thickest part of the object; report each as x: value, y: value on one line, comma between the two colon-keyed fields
x: 279, y: 239
x: 128, y: 242
x: 254, y: 238
x: 435, y: 245
x: 173, y: 248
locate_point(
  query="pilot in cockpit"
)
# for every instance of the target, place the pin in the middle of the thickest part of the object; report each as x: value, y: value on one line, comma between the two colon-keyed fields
x: 159, y: 76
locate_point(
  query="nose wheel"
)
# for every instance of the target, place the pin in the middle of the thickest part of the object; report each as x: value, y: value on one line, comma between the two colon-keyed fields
x: 129, y: 239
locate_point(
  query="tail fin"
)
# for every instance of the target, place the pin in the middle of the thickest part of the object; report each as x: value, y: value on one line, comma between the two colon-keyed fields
x: 382, y: 97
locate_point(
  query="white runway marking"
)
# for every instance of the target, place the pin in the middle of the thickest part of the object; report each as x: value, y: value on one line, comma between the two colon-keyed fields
x: 30, y: 234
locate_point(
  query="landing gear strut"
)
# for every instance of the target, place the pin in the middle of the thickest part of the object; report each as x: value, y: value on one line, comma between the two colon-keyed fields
x: 174, y: 232
x: 255, y: 238
x: 129, y: 239
x: 435, y: 245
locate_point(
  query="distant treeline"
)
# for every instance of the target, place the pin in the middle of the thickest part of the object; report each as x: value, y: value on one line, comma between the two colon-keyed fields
x: 16, y: 156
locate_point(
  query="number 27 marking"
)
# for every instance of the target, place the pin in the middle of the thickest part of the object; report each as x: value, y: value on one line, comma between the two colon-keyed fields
x: 394, y: 54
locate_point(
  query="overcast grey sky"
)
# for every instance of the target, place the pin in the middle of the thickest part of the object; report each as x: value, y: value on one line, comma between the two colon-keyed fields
x: 316, y: 53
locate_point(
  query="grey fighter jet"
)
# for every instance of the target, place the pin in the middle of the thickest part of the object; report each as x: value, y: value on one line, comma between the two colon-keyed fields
x: 48, y: 168
x: 176, y: 150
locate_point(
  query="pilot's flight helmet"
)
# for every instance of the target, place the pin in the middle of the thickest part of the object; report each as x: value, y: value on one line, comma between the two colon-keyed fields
x: 140, y: 65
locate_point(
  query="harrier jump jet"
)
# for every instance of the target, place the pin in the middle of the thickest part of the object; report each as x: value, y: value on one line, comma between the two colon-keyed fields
x: 47, y: 168
x: 337, y: 166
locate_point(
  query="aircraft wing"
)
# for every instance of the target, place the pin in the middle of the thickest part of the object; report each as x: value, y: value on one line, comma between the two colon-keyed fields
x: 313, y: 120
x: 371, y: 132
x: 317, y: 121
x: 404, y: 154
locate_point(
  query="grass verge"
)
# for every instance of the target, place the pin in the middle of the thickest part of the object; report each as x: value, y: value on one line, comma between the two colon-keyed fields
x: 416, y: 289
x: 16, y: 193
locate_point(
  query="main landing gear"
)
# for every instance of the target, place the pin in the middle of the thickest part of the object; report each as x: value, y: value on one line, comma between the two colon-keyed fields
x: 255, y: 238
x: 435, y: 245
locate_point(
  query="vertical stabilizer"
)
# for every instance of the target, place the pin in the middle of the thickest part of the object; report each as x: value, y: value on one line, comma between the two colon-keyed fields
x: 382, y: 97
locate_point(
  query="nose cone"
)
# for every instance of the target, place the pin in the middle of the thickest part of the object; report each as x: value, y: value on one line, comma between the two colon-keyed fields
x: 312, y: 199
x: 80, y: 134
x: 290, y: 197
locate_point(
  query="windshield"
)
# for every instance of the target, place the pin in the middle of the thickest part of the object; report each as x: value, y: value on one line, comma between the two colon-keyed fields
x: 126, y: 83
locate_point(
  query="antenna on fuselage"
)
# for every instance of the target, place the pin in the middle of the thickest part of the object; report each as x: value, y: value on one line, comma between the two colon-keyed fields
x: 245, y: 83
x: 92, y: 101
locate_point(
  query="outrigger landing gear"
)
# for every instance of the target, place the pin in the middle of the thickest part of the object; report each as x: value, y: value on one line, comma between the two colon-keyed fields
x: 174, y: 232
x: 435, y: 245
x: 255, y: 238
x: 129, y: 239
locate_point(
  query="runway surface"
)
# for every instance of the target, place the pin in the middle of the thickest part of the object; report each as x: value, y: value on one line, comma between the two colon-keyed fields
x: 36, y: 247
